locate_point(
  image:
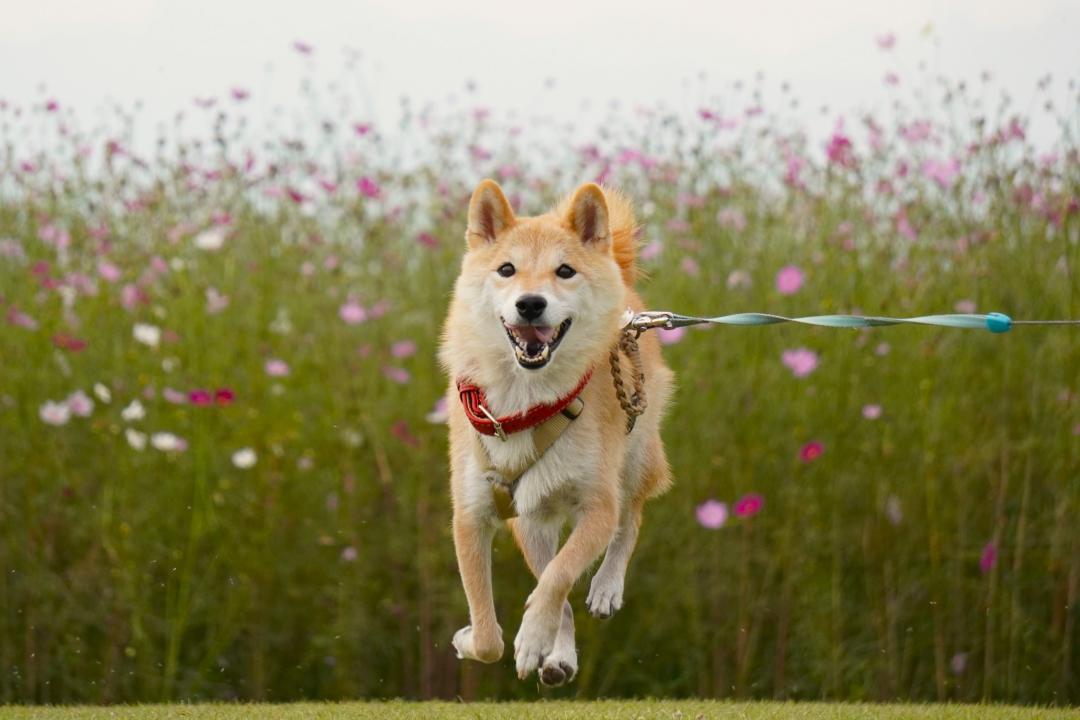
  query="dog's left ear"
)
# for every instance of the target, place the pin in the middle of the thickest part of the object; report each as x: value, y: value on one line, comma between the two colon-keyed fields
x: 489, y: 214
x: 588, y: 216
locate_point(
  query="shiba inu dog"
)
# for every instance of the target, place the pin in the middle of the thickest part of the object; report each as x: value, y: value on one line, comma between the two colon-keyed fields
x: 536, y: 425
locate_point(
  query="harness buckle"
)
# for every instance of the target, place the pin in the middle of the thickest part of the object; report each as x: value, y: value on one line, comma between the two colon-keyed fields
x: 498, y: 425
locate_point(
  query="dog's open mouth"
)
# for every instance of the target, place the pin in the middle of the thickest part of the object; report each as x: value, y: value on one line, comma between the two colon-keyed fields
x: 533, y: 344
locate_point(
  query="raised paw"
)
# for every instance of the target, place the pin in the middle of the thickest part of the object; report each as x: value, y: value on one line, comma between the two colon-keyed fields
x: 605, y: 595
x: 469, y: 647
x: 535, y: 639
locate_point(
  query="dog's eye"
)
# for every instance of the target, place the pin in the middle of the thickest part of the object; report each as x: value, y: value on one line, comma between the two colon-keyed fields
x: 565, y: 271
x: 506, y: 270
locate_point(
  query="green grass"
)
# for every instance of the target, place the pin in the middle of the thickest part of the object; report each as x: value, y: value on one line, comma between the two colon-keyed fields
x: 560, y: 710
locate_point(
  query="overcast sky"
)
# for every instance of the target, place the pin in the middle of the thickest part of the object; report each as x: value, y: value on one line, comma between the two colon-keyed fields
x: 536, y: 57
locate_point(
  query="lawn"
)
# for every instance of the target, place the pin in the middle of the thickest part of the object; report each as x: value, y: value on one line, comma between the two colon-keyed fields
x: 616, y: 710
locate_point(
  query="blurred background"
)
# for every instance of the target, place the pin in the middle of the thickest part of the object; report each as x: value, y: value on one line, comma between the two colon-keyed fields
x: 227, y: 240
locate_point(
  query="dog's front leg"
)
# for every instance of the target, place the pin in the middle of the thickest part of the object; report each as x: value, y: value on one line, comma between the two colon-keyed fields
x: 482, y: 639
x: 544, y: 608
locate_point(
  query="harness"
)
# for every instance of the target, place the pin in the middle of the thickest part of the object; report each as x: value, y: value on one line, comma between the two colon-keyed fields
x: 547, y: 421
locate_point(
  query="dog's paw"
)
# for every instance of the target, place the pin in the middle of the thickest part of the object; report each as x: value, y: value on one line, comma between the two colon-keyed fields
x: 605, y: 595
x: 559, y: 668
x: 469, y: 647
x: 535, y: 639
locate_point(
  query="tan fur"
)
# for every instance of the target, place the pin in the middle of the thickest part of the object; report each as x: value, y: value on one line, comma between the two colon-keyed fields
x: 595, y: 475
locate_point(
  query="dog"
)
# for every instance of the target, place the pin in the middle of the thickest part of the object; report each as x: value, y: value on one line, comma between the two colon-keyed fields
x: 536, y: 311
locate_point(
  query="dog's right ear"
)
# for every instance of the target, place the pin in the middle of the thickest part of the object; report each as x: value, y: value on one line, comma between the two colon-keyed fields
x: 489, y: 214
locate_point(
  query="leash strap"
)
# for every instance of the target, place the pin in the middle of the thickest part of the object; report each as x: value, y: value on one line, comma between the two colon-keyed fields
x: 504, y: 481
x: 995, y: 322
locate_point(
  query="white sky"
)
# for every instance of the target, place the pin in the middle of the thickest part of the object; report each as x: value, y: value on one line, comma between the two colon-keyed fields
x: 168, y: 52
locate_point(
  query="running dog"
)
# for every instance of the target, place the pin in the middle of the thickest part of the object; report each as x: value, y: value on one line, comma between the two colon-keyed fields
x: 538, y: 432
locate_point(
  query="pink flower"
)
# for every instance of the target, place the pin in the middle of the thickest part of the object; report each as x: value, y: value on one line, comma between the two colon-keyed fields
x: 672, y: 336
x: 80, y: 404
x: 131, y: 296
x: 397, y: 374
x: 871, y: 412
x: 892, y: 78
x: 965, y: 306
x: 174, y: 396
x: 811, y: 451
x: 711, y: 514
x: 427, y: 240
x: 739, y: 279
x: 276, y: 368
x: 801, y: 361
x: 988, y: 558
x: 240, y: 94
x: 53, y: 413
x: 367, y: 187
x: 651, y: 251
x: 108, y: 271
x: 690, y: 267
x: 943, y: 172
x: 886, y: 41
x: 904, y: 227
x: 224, y: 396
x: 403, y: 349
x: 839, y: 150
x: 302, y: 47
x: 200, y: 397
x: 789, y: 280
x: 352, y: 312
x: 215, y: 301
x: 749, y: 505
x: 20, y: 319
x: 349, y: 554
x: 439, y: 413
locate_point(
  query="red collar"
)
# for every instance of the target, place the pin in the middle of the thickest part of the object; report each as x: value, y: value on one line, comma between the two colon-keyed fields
x: 475, y: 403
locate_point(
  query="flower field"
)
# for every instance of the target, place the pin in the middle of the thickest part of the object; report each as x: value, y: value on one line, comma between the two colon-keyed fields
x: 222, y: 449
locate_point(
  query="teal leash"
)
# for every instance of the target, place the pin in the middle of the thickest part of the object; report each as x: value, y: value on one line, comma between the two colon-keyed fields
x: 995, y: 322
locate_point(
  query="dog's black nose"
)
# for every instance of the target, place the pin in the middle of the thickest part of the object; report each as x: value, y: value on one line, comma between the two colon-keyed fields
x: 531, y: 307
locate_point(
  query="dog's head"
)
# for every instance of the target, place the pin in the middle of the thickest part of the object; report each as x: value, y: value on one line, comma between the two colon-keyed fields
x: 535, y: 287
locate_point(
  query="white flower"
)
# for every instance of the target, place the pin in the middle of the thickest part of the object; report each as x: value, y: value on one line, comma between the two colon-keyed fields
x: 135, y: 439
x: 147, y: 334
x: 55, y: 413
x: 211, y: 238
x: 244, y: 458
x: 79, y: 403
x: 103, y: 393
x: 133, y: 412
x: 167, y: 442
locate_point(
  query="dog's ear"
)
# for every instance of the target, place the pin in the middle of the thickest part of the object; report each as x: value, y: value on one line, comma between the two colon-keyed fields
x: 489, y: 214
x: 588, y: 215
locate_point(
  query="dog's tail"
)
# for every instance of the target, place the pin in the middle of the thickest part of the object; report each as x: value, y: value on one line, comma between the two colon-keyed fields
x: 623, y: 229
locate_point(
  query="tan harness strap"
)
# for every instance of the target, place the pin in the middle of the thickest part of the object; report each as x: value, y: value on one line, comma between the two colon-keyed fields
x: 504, y: 481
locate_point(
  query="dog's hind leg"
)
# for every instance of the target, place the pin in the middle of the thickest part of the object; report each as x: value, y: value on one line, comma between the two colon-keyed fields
x: 482, y: 638
x: 538, y: 542
x: 606, y: 590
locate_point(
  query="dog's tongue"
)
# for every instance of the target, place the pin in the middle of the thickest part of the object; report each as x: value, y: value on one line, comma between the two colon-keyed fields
x: 533, y: 333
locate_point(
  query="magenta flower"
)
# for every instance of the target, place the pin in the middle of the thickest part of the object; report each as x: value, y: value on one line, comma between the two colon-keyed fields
x: 840, y: 151
x: 352, y: 312
x: 276, y: 368
x: 672, y: 336
x: 403, y: 349
x: 988, y: 558
x: 811, y: 451
x: 749, y: 505
x: 240, y: 94
x: 401, y: 431
x: 711, y: 514
x: 69, y: 342
x: 871, y: 411
x: 789, y: 280
x: 224, y: 396
x: 200, y: 397
x: 427, y: 240
x: 801, y: 361
x: 367, y: 187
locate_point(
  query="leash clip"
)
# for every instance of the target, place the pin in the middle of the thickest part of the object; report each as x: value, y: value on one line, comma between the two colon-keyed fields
x: 647, y: 320
x: 498, y: 425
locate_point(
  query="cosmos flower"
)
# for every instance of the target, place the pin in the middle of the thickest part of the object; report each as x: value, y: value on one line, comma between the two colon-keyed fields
x: 109, y: 272
x: 651, y: 251
x: 403, y: 349
x: 149, y: 335
x: 670, y: 336
x: 200, y: 397
x: 749, y: 505
x: 789, y: 280
x: 54, y: 413
x: 988, y: 558
x: 871, y: 411
x: 943, y: 172
x: 352, y: 312
x: 211, y: 239
x: 174, y: 396
x: 368, y: 187
x: 80, y: 404
x: 438, y: 414
x: 397, y: 374
x: 135, y: 439
x: 349, y: 554
x: 244, y: 458
x: 103, y: 393
x: 133, y: 412
x: 739, y: 279
x: 276, y: 368
x: 811, y: 451
x: 168, y: 442
x: 801, y: 361
x: 886, y: 41
x: 965, y: 306
x: 215, y: 301
x: 224, y: 396
x: 711, y: 514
